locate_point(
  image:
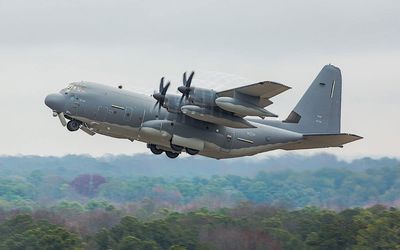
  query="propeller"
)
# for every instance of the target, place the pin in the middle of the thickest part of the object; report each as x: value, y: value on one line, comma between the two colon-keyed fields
x: 185, y: 89
x: 160, y: 96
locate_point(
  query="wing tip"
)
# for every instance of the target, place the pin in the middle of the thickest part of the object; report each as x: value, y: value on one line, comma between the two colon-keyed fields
x: 358, y: 137
x: 277, y: 83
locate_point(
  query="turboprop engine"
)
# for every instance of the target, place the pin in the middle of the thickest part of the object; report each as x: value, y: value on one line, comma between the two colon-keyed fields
x: 211, y: 106
x: 197, y: 96
x: 202, y: 97
x: 172, y: 103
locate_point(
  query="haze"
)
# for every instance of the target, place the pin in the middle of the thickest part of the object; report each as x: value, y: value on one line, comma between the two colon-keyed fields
x: 46, y: 44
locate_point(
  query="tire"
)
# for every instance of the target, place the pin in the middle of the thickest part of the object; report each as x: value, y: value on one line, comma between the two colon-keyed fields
x: 73, y: 125
x: 155, y: 150
x: 192, y: 151
x: 176, y: 147
x: 171, y: 155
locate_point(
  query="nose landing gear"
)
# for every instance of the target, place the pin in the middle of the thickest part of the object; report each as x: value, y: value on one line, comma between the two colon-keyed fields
x: 73, y: 125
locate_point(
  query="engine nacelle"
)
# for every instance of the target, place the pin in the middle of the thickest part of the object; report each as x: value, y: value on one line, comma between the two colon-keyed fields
x: 202, y: 97
x: 172, y: 103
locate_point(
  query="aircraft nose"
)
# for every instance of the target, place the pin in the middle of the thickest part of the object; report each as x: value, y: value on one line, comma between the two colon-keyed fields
x: 55, y: 102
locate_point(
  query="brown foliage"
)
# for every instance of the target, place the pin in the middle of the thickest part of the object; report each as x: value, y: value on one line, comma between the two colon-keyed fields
x: 87, y: 185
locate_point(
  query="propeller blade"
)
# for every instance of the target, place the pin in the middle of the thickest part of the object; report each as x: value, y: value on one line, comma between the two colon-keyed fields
x: 161, y: 84
x: 62, y: 119
x: 189, y: 81
x: 160, y: 96
x: 164, y: 91
x: 184, y: 79
x: 155, y: 105
x: 185, y: 88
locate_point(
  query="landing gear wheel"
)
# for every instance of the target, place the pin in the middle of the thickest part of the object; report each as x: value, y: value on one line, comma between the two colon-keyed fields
x: 176, y: 147
x: 155, y: 150
x: 171, y: 155
x: 73, y: 125
x: 192, y: 151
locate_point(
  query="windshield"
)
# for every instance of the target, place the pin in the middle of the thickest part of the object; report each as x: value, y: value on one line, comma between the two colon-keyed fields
x: 73, y: 88
x: 79, y: 87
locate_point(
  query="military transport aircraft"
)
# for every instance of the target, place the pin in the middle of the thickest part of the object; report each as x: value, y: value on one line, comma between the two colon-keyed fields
x: 206, y: 122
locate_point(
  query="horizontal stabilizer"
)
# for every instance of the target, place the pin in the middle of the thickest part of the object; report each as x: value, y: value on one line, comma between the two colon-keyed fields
x: 322, y: 141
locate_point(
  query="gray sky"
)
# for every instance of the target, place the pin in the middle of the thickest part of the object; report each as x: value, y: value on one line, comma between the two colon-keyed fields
x: 46, y: 44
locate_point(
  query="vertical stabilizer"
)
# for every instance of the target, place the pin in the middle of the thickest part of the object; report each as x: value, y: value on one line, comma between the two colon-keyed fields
x: 318, y: 111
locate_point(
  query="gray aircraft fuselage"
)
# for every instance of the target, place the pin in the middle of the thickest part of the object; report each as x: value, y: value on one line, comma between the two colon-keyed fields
x: 120, y: 113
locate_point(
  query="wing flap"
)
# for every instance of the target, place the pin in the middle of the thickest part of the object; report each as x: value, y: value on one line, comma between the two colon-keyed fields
x: 322, y: 141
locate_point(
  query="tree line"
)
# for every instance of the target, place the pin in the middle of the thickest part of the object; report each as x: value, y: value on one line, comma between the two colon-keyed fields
x: 247, y: 226
x: 327, y: 187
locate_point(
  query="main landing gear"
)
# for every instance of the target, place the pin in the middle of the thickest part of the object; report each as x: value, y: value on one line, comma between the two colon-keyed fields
x: 192, y: 151
x: 157, y: 151
x: 153, y: 148
x: 180, y: 148
x: 176, y: 147
x: 170, y: 154
x: 73, y: 125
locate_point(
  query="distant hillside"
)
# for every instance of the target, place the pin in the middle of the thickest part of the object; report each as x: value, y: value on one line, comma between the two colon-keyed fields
x: 148, y: 165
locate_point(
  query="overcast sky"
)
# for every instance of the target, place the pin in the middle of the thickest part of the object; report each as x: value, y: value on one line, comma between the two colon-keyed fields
x: 46, y: 44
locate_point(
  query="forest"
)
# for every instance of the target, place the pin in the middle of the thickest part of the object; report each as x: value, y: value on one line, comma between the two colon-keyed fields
x: 335, y: 206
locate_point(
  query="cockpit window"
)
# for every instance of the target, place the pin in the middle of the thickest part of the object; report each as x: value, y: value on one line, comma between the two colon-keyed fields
x: 73, y: 88
x: 76, y: 87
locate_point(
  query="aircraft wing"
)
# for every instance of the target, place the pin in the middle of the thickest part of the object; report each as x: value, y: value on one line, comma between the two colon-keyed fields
x: 322, y: 141
x: 263, y: 91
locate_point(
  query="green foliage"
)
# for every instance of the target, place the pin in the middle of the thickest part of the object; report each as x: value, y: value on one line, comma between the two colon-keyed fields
x: 335, y: 188
x: 99, y: 204
x: 16, y: 189
x: 326, y: 187
x: 22, y: 232
x: 244, y: 227
x: 221, y: 212
x: 379, y: 229
x: 70, y: 207
x: 253, y: 227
